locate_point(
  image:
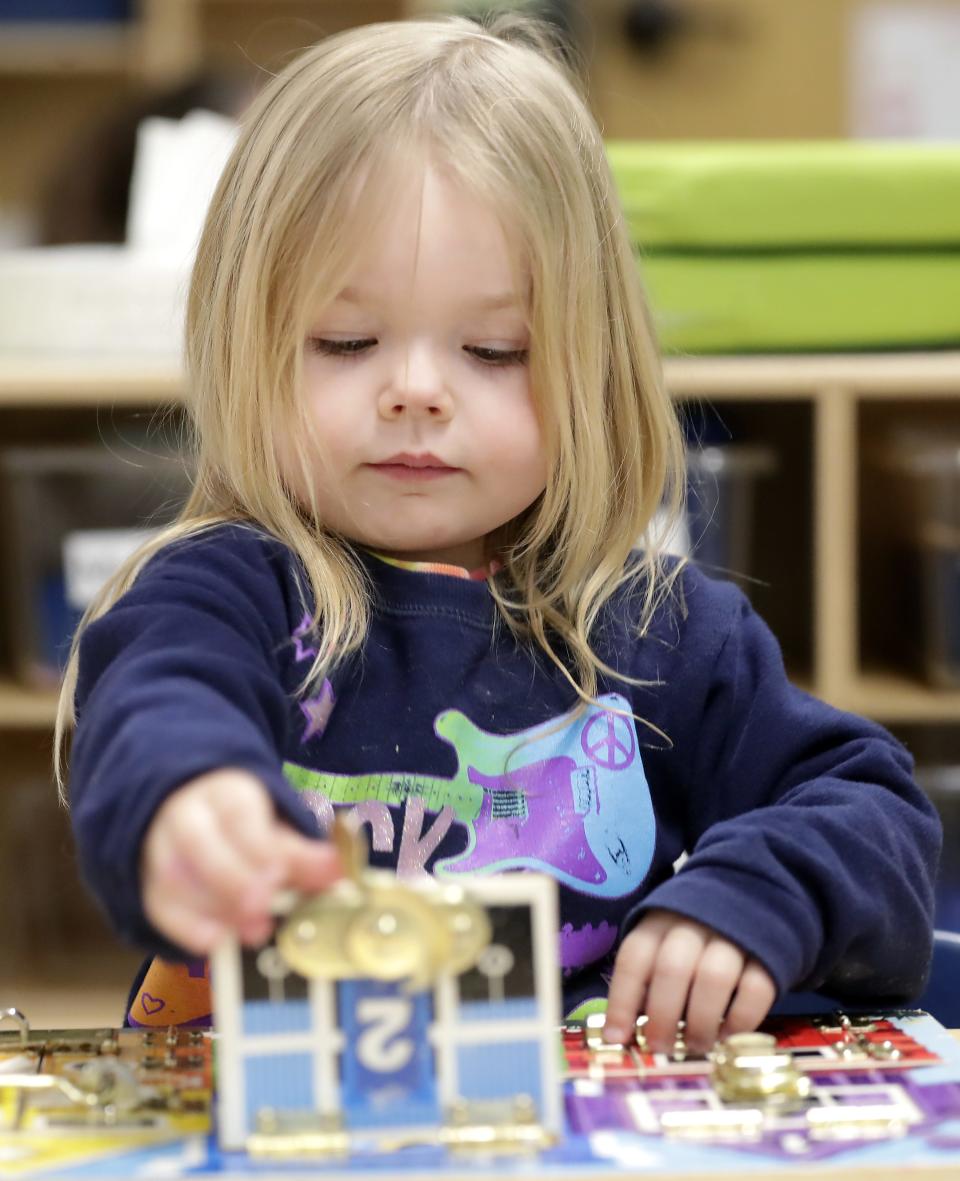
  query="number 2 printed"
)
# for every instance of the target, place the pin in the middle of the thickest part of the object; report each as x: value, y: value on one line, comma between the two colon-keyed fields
x: 379, y: 1047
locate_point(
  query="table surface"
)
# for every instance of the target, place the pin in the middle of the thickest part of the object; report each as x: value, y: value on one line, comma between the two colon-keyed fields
x: 822, y: 1172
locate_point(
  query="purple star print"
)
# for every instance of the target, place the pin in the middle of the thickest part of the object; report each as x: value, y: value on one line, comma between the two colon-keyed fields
x: 302, y: 651
x: 317, y: 711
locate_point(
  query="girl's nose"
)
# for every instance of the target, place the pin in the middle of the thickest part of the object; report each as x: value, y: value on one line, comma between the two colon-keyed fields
x: 417, y: 390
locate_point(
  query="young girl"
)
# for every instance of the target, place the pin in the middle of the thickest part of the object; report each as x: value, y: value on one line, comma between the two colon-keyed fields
x: 430, y: 427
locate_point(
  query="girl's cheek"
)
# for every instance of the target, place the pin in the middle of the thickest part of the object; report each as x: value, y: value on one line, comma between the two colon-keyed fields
x: 299, y: 441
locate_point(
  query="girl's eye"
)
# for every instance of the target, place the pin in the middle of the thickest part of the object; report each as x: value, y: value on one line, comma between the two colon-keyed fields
x: 497, y: 356
x: 341, y: 348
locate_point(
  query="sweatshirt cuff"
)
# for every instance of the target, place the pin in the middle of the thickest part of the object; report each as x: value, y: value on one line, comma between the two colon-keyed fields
x: 770, y: 924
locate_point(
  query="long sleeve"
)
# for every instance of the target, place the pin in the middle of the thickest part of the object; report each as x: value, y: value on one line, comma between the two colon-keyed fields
x: 810, y: 845
x: 178, y: 678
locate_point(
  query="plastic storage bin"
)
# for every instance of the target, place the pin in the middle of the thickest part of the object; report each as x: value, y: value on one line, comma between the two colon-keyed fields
x: 97, y: 299
x: 70, y: 515
x: 721, y: 491
x: 924, y: 470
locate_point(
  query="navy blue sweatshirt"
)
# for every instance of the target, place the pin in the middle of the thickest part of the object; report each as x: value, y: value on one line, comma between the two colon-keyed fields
x: 807, y: 841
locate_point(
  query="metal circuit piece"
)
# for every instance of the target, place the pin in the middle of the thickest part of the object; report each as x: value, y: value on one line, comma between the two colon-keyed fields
x: 371, y: 925
x: 397, y: 935
x: 593, y: 1034
x: 283, y: 1136
x: 679, y: 1051
x: 505, y: 1127
x: 468, y: 925
x: 104, y: 1083
x: 495, y: 1128
x: 853, y: 1040
x: 749, y: 1068
x: 23, y: 1025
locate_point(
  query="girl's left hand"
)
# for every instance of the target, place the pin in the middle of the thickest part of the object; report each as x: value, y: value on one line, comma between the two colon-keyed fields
x: 670, y: 967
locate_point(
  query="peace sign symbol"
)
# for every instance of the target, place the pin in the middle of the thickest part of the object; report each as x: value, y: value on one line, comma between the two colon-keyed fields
x: 609, y: 740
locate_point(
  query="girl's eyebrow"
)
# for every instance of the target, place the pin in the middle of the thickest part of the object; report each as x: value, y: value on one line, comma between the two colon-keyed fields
x: 484, y: 303
x: 352, y: 295
x: 492, y: 303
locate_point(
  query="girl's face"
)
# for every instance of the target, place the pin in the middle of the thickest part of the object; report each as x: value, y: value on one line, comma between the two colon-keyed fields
x: 416, y: 380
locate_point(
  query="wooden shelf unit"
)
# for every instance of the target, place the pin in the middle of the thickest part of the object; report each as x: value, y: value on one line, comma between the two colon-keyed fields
x: 159, y: 42
x: 836, y: 387
x: 64, y: 49
x: 42, y: 384
x: 832, y: 388
x: 25, y: 709
x: 60, y: 81
x: 162, y: 41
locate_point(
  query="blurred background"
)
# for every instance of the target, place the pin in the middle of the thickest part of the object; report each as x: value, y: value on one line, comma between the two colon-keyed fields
x: 791, y: 175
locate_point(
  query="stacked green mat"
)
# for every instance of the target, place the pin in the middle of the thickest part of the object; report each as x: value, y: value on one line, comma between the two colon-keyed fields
x: 771, y: 247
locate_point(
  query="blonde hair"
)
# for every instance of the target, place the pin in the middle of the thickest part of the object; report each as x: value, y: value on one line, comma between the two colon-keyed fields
x: 494, y: 105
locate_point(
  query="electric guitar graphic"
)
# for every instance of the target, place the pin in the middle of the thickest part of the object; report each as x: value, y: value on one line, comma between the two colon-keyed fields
x: 568, y: 797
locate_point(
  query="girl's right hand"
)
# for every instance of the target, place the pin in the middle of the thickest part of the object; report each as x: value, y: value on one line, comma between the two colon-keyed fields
x: 215, y: 854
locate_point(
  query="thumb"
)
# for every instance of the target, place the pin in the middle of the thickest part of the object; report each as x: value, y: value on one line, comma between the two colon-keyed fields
x: 310, y: 864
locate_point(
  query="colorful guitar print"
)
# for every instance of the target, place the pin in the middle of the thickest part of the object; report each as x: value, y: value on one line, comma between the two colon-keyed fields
x: 568, y: 797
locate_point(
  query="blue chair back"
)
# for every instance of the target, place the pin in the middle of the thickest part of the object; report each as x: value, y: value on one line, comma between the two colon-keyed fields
x: 941, y: 998
x: 942, y: 995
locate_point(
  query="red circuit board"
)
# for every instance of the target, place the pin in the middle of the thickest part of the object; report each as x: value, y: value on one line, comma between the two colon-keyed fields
x: 816, y: 1044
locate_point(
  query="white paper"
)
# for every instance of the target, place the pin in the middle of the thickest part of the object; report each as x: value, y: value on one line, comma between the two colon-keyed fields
x: 176, y: 168
x: 91, y: 556
x: 905, y: 71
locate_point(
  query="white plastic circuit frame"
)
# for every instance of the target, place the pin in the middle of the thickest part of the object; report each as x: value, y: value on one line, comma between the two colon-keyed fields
x: 324, y: 1040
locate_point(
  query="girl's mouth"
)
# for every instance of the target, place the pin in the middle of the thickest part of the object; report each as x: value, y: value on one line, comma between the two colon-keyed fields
x: 408, y: 465
x: 404, y: 471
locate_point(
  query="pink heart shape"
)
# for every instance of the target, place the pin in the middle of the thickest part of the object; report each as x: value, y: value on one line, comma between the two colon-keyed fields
x: 151, y: 1004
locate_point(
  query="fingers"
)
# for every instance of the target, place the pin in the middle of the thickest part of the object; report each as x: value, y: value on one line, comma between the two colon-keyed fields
x: 223, y: 865
x: 756, y: 992
x: 672, y: 968
x: 632, y: 974
x: 173, y: 898
x: 308, y: 864
x: 628, y: 986
x: 214, y: 857
x: 717, y: 975
x: 248, y: 820
x: 677, y: 960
